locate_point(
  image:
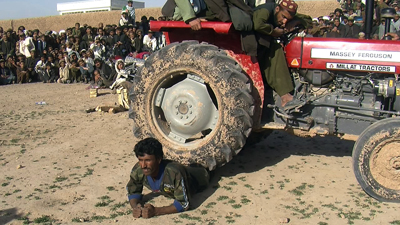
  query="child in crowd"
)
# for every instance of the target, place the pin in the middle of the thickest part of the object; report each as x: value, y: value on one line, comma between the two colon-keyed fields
x: 22, y: 73
x: 74, y: 72
x: 122, y: 74
x: 50, y: 73
x: 64, y: 73
x: 40, y: 68
x: 86, y: 70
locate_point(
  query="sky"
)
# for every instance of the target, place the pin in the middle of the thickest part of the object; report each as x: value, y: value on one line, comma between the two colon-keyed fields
x: 18, y: 9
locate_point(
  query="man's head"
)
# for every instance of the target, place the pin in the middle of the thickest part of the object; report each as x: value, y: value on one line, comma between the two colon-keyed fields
x: 118, y: 31
x: 81, y: 62
x: 396, y: 17
x: 77, y: 25
x: 336, y: 22
x: 149, y: 153
x: 285, y: 12
x: 2, y: 63
x: 351, y: 21
x: 338, y: 12
x: 130, y: 3
x: 97, y: 62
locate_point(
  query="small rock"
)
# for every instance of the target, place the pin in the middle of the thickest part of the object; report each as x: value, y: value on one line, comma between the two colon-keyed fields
x: 20, y: 167
x: 342, y: 216
x: 284, y: 220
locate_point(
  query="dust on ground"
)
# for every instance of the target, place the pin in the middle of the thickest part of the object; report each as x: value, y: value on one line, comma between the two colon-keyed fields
x: 61, y: 165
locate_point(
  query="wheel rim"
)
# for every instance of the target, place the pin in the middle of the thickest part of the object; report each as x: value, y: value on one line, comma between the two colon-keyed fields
x: 385, y: 164
x: 185, y: 108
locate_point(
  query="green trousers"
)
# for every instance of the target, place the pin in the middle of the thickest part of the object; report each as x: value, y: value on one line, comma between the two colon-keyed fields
x: 274, y: 68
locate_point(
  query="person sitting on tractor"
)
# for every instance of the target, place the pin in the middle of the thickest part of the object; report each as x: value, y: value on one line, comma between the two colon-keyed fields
x: 168, y: 178
x: 270, y: 21
x: 184, y: 10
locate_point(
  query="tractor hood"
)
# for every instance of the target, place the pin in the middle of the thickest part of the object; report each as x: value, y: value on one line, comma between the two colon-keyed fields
x: 381, y: 56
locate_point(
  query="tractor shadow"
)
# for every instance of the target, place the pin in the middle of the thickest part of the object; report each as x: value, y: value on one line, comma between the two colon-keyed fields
x: 8, y: 215
x: 278, y: 146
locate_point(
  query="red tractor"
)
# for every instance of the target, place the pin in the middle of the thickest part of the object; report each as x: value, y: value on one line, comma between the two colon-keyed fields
x: 203, y: 98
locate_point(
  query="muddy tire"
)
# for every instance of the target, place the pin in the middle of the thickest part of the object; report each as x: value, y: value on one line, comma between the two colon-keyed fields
x: 196, y: 101
x: 376, y: 160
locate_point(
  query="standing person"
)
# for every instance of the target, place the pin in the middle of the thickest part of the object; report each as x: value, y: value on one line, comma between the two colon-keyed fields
x: 26, y: 45
x: 131, y: 11
x: 168, y: 178
x: 42, y: 45
x: 269, y: 22
x: 22, y: 73
x: 6, y: 76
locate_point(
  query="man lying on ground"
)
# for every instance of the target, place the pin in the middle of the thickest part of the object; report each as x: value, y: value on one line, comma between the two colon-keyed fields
x: 168, y: 178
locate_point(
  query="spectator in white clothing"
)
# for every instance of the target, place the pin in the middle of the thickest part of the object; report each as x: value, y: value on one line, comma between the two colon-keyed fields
x: 150, y: 42
x: 26, y: 45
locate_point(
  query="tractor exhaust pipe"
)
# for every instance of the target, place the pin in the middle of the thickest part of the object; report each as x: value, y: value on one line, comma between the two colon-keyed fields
x: 369, y: 15
x: 388, y: 15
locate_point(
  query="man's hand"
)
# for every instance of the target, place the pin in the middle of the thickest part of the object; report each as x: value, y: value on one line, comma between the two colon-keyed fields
x: 148, y: 211
x: 394, y: 36
x: 137, y: 211
x: 195, y: 24
x: 277, y: 32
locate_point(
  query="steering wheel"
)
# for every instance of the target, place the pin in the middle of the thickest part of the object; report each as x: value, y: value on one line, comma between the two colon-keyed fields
x: 288, y: 36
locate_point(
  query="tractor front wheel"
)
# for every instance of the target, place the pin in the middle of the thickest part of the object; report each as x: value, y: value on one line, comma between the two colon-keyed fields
x: 376, y: 160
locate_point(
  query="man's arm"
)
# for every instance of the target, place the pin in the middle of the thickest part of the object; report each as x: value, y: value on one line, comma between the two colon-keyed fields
x: 181, y: 196
x: 135, y: 188
x: 260, y: 18
x: 150, y: 211
x: 185, y: 10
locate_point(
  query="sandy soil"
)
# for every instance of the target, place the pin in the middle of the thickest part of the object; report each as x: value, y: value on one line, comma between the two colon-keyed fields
x: 62, y: 165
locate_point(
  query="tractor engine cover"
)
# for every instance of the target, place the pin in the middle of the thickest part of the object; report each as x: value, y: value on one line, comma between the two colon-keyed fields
x: 339, y: 54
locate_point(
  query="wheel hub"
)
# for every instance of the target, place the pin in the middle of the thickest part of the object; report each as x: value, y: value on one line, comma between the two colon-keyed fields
x: 395, y: 163
x: 188, y: 108
x: 385, y: 164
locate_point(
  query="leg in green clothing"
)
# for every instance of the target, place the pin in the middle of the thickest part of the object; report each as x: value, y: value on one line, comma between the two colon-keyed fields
x: 274, y: 67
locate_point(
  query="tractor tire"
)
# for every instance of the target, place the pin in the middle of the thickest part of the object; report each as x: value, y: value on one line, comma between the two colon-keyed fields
x: 376, y: 160
x: 196, y: 101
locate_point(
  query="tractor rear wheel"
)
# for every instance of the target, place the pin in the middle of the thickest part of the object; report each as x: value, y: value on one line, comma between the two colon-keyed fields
x: 196, y: 101
x: 376, y: 160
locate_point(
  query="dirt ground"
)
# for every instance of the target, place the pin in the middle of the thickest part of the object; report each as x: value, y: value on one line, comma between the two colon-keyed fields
x: 60, y: 165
